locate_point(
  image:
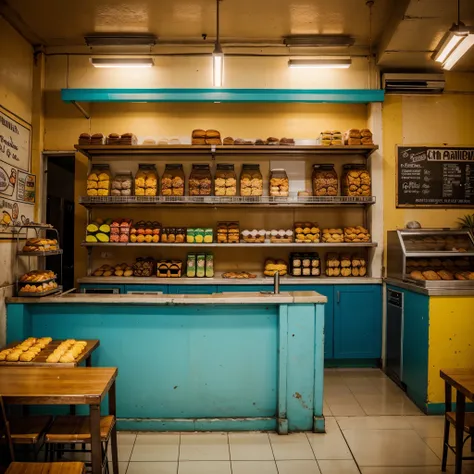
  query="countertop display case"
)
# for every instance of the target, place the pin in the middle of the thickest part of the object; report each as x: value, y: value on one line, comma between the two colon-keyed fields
x: 432, y: 257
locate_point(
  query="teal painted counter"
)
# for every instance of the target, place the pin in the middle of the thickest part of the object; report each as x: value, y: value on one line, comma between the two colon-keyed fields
x: 196, y: 363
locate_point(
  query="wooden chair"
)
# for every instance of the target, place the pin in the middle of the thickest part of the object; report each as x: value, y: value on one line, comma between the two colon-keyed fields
x: 31, y: 468
x: 450, y: 419
x: 75, y: 430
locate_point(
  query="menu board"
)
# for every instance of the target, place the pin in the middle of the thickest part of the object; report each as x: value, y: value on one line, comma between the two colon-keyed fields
x: 435, y: 176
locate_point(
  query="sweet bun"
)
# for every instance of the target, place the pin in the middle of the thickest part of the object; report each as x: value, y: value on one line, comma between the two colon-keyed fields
x: 199, y: 133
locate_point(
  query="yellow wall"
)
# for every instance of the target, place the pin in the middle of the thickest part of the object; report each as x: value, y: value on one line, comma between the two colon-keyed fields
x: 420, y: 120
x: 16, y: 95
x: 451, y: 344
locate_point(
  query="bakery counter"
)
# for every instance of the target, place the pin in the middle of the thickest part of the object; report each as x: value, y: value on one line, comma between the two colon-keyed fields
x: 187, y: 362
x: 429, y: 328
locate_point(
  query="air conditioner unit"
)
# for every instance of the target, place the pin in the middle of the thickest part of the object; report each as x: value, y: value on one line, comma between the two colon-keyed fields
x: 394, y: 83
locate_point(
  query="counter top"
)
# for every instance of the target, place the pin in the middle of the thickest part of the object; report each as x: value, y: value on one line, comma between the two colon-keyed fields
x: 260, y: 280
x: 216, y: 298
x: 430, y: 291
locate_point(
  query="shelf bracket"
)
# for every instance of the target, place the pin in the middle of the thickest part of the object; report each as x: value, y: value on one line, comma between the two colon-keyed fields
x: 81, y: 109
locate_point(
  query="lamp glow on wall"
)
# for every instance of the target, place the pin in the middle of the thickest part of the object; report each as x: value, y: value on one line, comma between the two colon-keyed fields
x: 217, y: 55
x: 321, y: 63
x: 122, y: 62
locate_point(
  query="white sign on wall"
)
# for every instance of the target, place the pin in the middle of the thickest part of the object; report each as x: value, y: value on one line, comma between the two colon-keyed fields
x: 15, y: 143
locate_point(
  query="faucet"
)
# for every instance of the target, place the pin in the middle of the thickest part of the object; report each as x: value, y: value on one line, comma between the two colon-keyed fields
x: 276, y: 283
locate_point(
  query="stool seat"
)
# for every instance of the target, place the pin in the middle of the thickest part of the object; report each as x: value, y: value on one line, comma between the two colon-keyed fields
x: 46, y: 468
x: 76, y: 429
x: 468, y: 421
x: 28, y: 429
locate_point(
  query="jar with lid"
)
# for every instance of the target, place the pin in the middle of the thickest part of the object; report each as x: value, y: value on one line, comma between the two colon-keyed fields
x: 324, y: 179
x: 172, y: 181
x: 356, y: 180
x: 146, y: 180
x: 200, y: 181
x: 98, y: 180
x: 279, y: 183
x: 225, y: 181
x: 251, y: 180
x: 122, y: 184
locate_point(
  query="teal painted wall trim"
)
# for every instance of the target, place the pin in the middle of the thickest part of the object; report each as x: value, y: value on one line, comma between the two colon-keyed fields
x: 318, y: 386
x: 438, y: 408
x: 364, y: 96
x: 282, y: 370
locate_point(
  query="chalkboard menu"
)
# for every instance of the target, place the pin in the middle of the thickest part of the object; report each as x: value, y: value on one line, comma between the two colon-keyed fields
x: 435, y: 176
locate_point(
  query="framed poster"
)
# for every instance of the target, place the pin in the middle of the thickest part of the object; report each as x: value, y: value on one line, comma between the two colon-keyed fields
x: 435, y: 176
x: 17, y: 184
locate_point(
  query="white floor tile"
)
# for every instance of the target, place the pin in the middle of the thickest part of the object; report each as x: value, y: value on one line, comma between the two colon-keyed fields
x: 329, y: 445
x: 122, y: 467
x: 428, y: 426
x: 389, y: 448
x: 254, y: 467
x: 250, y: 447
x: 124, y: 449
x: 374, y: 423
x: 204, y: 447
x: 326, y: 410
x: 155, y: 447
x: 404, y: 470
x: 124, y: 437
x: 298, y: 467
x: 338, y: 467
x: 352, y: 408
x: 152, y: 468
x: 292, y: 446
x: 204, y: 467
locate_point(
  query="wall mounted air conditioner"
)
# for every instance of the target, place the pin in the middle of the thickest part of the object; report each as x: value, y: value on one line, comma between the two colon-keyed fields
x: 395, y: 83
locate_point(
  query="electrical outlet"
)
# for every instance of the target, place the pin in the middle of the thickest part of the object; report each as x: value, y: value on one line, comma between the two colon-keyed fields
x: 105, y: 255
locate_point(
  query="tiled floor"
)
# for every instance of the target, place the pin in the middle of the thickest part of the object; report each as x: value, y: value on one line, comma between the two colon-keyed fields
x: 372, y: 428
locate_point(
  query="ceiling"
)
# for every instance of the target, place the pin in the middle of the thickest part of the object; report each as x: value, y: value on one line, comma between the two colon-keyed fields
x: 404, y: 33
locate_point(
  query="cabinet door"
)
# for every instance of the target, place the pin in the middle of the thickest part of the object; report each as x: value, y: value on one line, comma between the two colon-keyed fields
x: 100, y: 288
x: 192, y: 289
x: 358, y: 322
x: 243, y: 288
x: 328, y: 291
x: 148, y: 289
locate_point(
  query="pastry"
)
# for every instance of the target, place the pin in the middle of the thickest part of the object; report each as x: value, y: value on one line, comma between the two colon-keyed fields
x: 417, y: 275
x: 445, y: 275
x: 212, y: 134
x: 228, y: 141
x: 213, y: 141
x: 431, y: 275
x: 198, y: 141
x: 27, y: 356
x: 199, y: 133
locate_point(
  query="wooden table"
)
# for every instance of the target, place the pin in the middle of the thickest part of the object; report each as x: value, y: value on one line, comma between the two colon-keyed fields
x: 462, y: 380
x: 40, y: 359
x: 66, y: 386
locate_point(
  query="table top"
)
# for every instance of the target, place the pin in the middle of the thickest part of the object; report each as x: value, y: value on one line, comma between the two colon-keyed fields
x: 461, y: 379
x: 40, y: 359
x: 55, y: 386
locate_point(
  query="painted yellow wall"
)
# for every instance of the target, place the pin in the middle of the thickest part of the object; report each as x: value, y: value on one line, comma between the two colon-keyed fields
x: 16, y: 95
x: 421, y: 120
x: 451, y: 343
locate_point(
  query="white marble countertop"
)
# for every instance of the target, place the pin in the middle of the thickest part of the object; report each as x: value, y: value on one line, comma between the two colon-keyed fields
x: 216, y: 298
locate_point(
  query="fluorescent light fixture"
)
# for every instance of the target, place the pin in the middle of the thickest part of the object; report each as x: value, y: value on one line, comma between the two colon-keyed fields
x: 318, y: 41
x: 321, y: 63
x: 217, y: 66
x: 122, y: 62
x: 451, y: 39
x: 461, y: 49
x: 120, y: 40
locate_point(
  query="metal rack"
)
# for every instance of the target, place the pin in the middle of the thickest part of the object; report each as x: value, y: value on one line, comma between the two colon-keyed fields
x: 20, y: 253
x: 293, y: 245
x: 226, y: 201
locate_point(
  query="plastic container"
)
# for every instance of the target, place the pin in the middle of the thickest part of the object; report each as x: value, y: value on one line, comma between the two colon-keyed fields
x: 356, y: 180
x: 200, y: 265
x: 225, y: 181
x: 251, y: 181
x: 99, y: 180
x: 122, y: 184
x: 209, y: 265
x: 279, y: 183
x: 191, y: 265
x: 146, y: 180
x: 172, y: 181
x: 324, y: 179
x: 200, y: 181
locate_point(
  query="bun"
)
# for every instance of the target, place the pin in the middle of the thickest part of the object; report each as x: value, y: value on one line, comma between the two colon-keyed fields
x: 199, y: 133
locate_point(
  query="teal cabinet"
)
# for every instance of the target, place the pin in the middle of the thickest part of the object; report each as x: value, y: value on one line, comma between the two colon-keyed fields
x: 357, y: 322
x: 101, y: 288
x: 243, y: 288
x: 192, y: 289
x: 158, y: 289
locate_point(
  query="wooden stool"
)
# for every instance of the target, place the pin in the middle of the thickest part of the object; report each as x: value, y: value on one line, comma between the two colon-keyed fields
x: 46, y: 468
x: 450, y: 419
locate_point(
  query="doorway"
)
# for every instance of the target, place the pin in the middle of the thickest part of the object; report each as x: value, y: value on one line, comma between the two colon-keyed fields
x: 60, y: 177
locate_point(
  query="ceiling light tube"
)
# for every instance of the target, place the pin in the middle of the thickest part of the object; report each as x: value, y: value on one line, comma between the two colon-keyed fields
x: 461, y: 49
x: 322, y: 63
x: 318, y: 41
x: 122, y: 62
x: 217, y: 67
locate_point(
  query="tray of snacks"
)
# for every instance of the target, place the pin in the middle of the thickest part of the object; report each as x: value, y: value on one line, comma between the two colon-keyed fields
x: 239, y: 275
x: 40, y: 289
x: 37, y: 276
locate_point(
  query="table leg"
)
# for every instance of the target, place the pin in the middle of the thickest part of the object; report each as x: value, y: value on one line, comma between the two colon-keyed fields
x: 96, y: 447
x: 89, y: 361
x: 447, y: 408
x: 460, y: 412
x: 113, y: 435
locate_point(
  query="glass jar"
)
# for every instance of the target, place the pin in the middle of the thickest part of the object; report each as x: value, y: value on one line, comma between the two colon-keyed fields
x: 279, y: 183
x: 172, y: 181
x: 324, y: 179
x: 225, y: 181
x: 98, y: 181
x: 200, y: 181
x: 251, y: 181
x: 122, y: 184
x: 146, y: 180
x: 356, y: 180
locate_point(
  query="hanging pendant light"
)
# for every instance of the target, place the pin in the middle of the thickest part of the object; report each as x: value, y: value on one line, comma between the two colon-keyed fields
x: 217, y: 56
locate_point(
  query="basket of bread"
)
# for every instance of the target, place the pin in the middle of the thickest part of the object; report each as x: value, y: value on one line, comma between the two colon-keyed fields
x: 39, y: 289
x: 121, y: 270
x: 275, y: 266
x: 38, y: 276
x: 41, y: 245
x: 423, y: 270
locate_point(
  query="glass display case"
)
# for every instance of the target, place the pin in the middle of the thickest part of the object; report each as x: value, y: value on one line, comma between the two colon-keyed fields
x: 431, y: 255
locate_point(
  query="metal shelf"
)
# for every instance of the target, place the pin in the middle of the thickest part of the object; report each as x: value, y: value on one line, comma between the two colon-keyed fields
x: 241, y: 244
x: 226, y: 201
x: 437, y: 254
x: 40, y: 254
x: 29, y: 294
x: 237, y: 151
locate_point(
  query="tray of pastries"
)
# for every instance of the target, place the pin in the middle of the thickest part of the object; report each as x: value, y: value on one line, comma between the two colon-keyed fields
x: 440, y: 272
x: 38, y: 276
x: 68, y: 351
x: 356, y: 234
x: 39, y: 289
x: 333, y: 235
x: 273, y: 266
x: 239, y: 275
x: 41, y: 245
x: 26, y: 351
x: 307, y: 232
